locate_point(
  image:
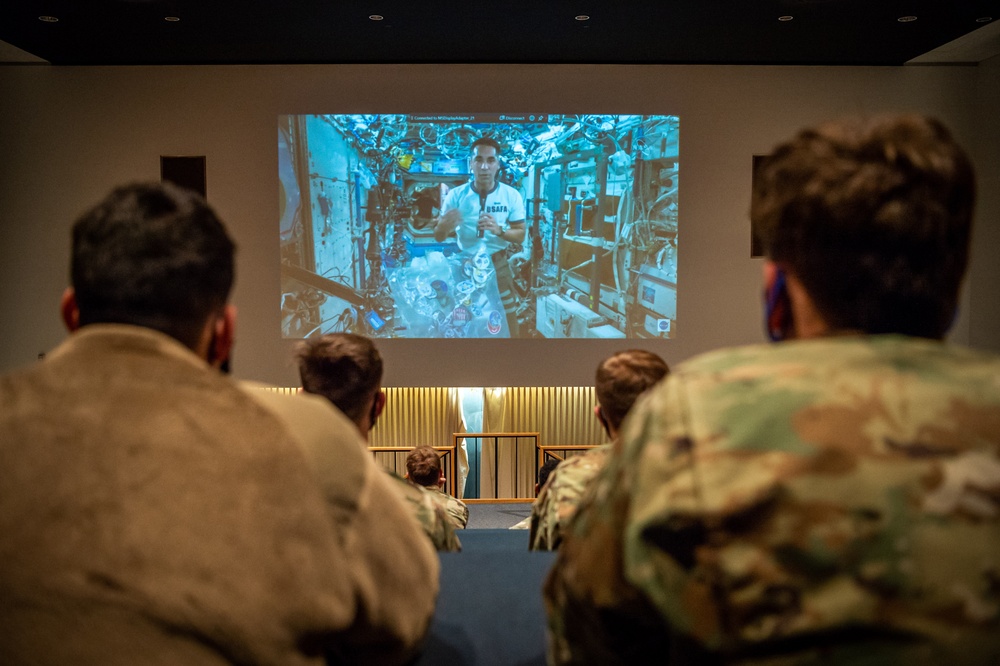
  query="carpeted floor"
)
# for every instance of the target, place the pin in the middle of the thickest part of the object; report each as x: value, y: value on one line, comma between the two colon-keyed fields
x: 496, y: 516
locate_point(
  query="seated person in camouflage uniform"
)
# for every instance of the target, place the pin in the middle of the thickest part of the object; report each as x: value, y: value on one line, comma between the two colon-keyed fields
x: 346, y: 369
x: 423, y: 469
x: 833, y: 498
x: 621, y: 379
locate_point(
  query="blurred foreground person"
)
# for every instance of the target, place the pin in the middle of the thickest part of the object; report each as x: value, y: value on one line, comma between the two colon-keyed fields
x: 346, y: 369
x: 620, y: 380
x: 154, y: 512
x: 834, y: 498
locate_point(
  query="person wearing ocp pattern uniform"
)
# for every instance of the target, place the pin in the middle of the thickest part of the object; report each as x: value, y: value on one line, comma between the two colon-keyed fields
x: 620, y: 380
x: 830, y: 499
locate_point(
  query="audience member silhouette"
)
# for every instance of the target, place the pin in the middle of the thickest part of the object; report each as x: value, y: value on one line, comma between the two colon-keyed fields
x: 153, y: 511
x: 423, y: 468
x: 620, y: 380
x: 346, y: 369
x: 833, y: 498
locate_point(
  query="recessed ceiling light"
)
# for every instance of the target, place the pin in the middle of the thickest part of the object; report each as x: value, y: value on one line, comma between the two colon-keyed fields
x: 582, y: 17
x: 49, y: 19
x: 172, y: 19
x: 785, y: 18
x: 984, y: 19
x: 906, y: 19
x: 375, y: 17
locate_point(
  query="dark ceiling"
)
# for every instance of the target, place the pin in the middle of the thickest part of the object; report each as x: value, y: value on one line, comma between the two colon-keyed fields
x: 819, y: 32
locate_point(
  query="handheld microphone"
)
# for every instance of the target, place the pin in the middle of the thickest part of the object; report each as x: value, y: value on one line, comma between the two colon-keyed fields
x: 482, y: 208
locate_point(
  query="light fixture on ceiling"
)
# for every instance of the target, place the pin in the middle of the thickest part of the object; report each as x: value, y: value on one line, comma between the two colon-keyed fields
x: 582, y: 17
x: 785, y: 18
x: 906, y: 19
x: 172, y: 19
x: 375, y: 17
x: 984, y: 19
x: 49, y: 19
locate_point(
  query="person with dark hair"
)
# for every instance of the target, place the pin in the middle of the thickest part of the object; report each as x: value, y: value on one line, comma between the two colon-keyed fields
x: 834, y: 498
x: 544, y: 472
x: 346, y: 369
x: 488, y: 210
x: 423, y: 469
x: 620, y: 380
x: 156, y: 258
x: 155, y: 511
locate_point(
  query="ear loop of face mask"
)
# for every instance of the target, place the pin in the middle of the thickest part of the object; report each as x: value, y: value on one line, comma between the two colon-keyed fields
x: 777, y: 312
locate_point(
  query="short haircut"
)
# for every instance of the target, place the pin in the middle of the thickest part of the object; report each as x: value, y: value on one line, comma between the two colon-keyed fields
x: 152, y: 255
x: 344, y: 368
x: 423, y: 465
x: 874, y: 219
x: 623, y: 377
x: 485, y: 141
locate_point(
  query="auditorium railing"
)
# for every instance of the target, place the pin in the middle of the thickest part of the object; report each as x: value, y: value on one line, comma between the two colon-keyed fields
x: 547, y: 451
x: 397, y: 461
x: 514, y: 465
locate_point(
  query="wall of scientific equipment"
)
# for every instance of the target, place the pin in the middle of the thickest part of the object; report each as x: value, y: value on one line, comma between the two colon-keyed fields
x: 361, y: 195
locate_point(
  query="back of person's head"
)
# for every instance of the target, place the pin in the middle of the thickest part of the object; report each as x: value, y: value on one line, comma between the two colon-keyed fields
x: 423, y: 466
x: 623, y: 377
x: 151, y: 255
x: 874, y: 219
x: 546, y: 469
x: 344, y: 368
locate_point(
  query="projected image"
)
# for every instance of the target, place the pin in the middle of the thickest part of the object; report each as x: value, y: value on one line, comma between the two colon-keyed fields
x: 479, y: 225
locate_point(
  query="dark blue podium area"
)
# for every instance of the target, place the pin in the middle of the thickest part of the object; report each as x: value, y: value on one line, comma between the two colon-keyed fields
x: 489, y: 609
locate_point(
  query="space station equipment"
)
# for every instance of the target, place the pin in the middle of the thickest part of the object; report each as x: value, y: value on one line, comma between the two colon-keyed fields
x: 657, y: 300
x: 560, y: 317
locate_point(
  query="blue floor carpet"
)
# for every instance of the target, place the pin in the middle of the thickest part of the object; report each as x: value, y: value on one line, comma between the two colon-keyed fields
x: 496, y: 516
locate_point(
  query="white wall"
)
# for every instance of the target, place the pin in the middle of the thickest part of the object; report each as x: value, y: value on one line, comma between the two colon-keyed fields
x: 69, y: 134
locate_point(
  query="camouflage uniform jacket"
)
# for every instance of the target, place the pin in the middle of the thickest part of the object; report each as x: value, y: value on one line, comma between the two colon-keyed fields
x: 456, y: 510
x: 557, y: 501
x: 827, y: 501
x: 434, y: 520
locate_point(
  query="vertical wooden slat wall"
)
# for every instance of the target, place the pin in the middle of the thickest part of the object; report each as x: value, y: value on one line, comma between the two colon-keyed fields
x: 414, y: 416
x: 417, y: 415
x: 429, y: 415
x: 560, y: 414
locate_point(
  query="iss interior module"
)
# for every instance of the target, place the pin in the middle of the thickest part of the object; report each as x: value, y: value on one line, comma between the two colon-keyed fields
x: 362, y: 196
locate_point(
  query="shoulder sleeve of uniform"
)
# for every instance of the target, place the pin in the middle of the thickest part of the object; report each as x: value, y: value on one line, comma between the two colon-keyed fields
x: 517, y: 212
x: 459, y: 511
x: 451, y: 199
x: 331, y: 444
x: 396, y: 572
x: 558, y: 502
x: 540, y: 525
x: 433, y: 519
x: 392, y: 565
x: 595, y: 609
